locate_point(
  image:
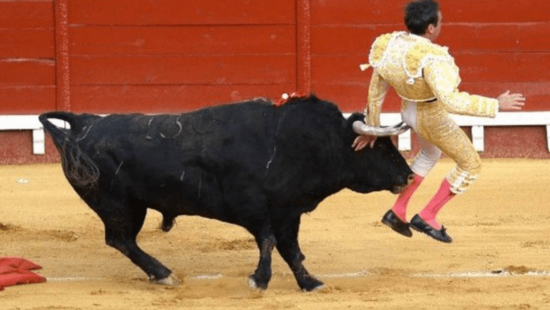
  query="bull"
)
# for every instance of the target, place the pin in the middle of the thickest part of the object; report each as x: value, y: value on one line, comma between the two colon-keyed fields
x: 252, y: 163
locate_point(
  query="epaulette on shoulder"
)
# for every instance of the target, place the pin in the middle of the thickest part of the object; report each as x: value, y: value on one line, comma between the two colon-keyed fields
x: 379, y: 47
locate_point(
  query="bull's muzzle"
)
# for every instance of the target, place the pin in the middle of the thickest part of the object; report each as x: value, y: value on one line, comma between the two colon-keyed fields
x: 364, y: 129
x: 398, y: 189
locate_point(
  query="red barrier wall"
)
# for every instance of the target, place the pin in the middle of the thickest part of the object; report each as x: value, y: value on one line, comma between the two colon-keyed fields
x: 166, y: 56
x: 27, y: 63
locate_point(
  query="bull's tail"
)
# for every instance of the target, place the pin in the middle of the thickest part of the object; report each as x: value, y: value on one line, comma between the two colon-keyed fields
x: 81, y: 171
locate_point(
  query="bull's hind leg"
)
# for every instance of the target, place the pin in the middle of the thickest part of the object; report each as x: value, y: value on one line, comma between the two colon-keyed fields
x: 286, y: 232
x: 121, y: 229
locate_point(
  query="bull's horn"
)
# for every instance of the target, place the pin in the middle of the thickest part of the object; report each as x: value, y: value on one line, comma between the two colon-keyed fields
x: 364, y: 129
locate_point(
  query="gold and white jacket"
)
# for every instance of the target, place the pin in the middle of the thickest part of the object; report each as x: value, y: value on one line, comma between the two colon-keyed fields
x: 419, y: 71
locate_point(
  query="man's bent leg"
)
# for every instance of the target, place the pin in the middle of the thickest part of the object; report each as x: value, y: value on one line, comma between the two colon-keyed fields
x: 451, y: 139
x: 422, y: 164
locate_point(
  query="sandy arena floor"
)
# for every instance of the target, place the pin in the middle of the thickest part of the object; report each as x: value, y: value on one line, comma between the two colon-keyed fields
x: 499, y: 259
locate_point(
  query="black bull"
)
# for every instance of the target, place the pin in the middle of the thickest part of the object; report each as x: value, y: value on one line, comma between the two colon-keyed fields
x: 251, y: 164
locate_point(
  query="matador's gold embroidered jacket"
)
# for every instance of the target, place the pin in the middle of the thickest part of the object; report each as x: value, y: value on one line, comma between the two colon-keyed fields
x: 419, y: 71
x: 427, y: 78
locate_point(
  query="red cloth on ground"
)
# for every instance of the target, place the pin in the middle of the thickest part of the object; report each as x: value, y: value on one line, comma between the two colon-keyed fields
x: 16, y: 270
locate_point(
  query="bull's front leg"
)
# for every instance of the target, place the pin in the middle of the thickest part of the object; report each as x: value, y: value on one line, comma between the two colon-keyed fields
x: 287, y: 244
x: 260, y: 278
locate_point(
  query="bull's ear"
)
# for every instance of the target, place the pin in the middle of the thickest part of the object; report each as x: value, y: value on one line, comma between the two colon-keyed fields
x: 363, y: 129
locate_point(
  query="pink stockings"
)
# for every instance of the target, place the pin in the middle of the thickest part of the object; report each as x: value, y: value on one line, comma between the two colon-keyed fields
x: 440, y: 198
x: 429, y: 212
x: 400, y: 206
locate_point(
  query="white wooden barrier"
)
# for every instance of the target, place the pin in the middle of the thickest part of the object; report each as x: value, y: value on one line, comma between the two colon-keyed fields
x: 478, y: 124
x: 30, y: 122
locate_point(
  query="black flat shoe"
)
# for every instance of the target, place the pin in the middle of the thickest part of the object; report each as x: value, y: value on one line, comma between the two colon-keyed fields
x: 418, y: 224
x: 395, y: 223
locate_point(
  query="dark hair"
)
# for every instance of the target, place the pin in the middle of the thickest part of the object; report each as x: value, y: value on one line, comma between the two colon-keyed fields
x: 420, y: 14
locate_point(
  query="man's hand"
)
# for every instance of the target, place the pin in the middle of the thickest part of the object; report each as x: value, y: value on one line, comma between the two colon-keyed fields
x: 510, y: 102
x: 361, y: 141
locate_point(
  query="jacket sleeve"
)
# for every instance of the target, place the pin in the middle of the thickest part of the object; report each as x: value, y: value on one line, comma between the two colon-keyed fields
x: 378, y: 90
x: 443, y: 81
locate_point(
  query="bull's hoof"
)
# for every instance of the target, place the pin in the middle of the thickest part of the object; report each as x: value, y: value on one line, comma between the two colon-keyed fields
x: 255, y: 285
x: 312, y: 285
x: 169, y: 281
x: 315, y: 289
